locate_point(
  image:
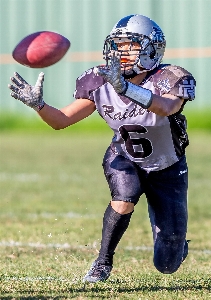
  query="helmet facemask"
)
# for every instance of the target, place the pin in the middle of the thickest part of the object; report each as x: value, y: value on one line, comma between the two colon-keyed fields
x: 149, y: 54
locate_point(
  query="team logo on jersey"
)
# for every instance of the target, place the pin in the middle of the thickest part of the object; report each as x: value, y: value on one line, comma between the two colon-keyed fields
x: 164, y: 85
x: 109, y: 111
x: 187, y: 89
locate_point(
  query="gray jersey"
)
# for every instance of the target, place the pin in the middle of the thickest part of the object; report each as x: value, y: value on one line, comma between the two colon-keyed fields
x: 152, y: 141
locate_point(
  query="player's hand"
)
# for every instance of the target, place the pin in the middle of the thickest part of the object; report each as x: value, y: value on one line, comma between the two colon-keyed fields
x: 32, y: 96
x: 113, y: 74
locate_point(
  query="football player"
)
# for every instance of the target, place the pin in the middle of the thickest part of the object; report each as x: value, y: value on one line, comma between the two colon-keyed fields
x: 141, y: 100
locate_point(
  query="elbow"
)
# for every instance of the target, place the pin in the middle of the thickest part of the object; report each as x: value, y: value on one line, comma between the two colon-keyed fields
x: 166, y: 111
x: 60, y: 126
x: 163, y: 112
x: 160, y: 109
x: 56, y: 126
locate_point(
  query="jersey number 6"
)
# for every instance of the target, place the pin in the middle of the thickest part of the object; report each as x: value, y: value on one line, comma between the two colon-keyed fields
x: 136, y: 146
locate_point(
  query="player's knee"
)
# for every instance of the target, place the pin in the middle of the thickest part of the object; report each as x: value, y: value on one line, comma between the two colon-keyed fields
x: 166, y: 269
x: 168, y: 253
x: 122, y: 207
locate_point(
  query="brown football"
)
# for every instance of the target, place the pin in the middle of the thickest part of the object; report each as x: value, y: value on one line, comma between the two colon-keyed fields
x: 41, y: 49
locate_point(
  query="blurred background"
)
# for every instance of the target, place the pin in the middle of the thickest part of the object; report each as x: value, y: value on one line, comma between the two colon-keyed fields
x: 86, y: 23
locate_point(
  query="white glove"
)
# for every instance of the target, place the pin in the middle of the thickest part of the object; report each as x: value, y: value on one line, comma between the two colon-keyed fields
x: 32, y: 96
x: 113, y: 74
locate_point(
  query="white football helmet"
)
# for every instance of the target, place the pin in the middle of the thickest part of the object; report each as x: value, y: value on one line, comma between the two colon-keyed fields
x: 144, y: 31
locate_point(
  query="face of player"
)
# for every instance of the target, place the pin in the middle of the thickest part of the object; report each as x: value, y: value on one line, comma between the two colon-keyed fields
x: 129, y: 52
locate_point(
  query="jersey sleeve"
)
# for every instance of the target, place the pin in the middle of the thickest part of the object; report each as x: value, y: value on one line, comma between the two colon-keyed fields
x: 176, y: 81
x: 86, y: 84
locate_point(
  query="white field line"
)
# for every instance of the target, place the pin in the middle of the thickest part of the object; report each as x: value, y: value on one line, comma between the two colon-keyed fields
x: 43, y: 246
x: 38, y: 278
x: 35, y: 177
x: 48, y: 215
x: 20, y: 177
x: 38, y: 245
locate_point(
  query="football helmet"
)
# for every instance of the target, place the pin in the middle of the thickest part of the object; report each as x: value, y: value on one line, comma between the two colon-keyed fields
x: 136, y: 29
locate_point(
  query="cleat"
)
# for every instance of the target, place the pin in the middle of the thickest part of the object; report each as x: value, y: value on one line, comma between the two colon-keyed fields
x: 97, y: 272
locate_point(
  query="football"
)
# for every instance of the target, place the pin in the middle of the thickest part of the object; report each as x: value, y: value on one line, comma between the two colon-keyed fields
x: 41, y: 49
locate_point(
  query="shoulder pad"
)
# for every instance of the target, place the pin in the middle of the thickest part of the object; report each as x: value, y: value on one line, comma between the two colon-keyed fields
x: 174, y: 80
x: 87, y: 83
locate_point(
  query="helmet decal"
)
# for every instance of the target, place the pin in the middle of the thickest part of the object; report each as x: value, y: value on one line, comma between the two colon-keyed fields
x: 123, y: 22
x: 157, y: 35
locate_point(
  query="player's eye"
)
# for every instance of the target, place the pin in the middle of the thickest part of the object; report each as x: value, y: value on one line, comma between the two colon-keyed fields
x: 114, y: 46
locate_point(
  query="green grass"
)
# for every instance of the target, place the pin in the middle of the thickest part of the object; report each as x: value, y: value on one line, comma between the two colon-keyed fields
x: 53, y: 196
x: 197, y: 119
x: 32, y: 122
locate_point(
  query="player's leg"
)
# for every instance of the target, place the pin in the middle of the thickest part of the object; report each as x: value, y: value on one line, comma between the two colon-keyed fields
x: 114, y: 226
x: 167, y: 198
x: 123, y: 179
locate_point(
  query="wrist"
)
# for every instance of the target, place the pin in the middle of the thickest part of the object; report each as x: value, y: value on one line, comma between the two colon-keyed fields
x: 40, y: 106
x: 139, y: 95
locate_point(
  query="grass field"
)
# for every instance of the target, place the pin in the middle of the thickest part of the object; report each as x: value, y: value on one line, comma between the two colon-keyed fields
x: 53, y: 196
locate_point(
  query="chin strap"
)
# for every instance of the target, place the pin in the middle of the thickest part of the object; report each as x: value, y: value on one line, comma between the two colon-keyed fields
x: 135, y: 70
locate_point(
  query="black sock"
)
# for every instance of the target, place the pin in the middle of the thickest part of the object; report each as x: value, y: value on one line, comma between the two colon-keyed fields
x: 114, y: 226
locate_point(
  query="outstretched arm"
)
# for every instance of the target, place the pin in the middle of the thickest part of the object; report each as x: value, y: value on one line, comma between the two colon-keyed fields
x: 69, y: 115
x: 32, y: 96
